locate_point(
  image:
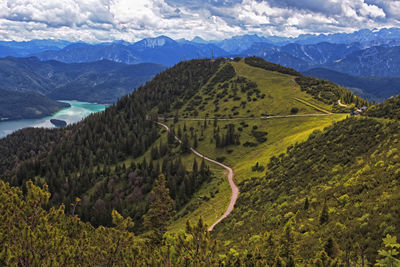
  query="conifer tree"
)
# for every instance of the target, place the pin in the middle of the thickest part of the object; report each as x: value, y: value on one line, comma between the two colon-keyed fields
x: 179, y: 132
x: 195, y: 141
x: 195, y: 166
x: 185, y: 146
x: 306, y: 204
x: 324, y: 216
x: 161, y: 209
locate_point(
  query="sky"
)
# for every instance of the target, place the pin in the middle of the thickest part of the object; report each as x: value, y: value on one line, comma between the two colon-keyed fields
x: 132, y: 20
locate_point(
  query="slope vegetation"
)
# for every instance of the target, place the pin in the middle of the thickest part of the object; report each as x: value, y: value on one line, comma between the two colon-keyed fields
x: 335, y: 192
x: 26, y: 105
x: 240, y: 90
x: 308, y: 180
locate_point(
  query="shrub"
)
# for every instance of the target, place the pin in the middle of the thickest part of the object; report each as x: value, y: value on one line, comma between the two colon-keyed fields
x: 220, y: 159
x: 249, y: 144
x: 294, y: 110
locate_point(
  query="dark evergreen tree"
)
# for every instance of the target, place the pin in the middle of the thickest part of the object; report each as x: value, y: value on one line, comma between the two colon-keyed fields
x: 324, y: 215
x: 161, y: 208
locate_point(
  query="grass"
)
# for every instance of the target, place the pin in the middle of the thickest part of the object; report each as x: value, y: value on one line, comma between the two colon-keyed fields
x: 282, y: 132
x: 277, y: 96
x: 312, y: 105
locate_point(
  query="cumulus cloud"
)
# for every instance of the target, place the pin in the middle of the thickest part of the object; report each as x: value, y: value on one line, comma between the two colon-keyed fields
x: 106, y: 20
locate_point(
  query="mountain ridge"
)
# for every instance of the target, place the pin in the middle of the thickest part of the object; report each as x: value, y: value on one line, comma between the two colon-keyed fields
x: 309, y: 179
x: 26, y: 105
x: 102, y: 81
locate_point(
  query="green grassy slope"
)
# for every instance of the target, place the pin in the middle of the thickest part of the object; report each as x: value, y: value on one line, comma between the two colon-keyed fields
x: 282, y: 132
x: 351, y: 170
x: 271, y: 93
x: 248, y: 92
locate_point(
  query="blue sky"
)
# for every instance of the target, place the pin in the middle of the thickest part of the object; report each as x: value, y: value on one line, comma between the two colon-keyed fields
x: 131, y: 20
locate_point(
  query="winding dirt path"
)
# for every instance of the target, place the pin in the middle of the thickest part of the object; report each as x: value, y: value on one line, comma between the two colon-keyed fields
x: 341, y: 104
x: 344, y: 105
x: 235, y: 189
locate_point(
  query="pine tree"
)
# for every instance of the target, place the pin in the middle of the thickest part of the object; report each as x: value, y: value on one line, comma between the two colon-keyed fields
x: 195, y: 166
x: 306, y: 204
x: 195, y: 141
x: 203, y: 168
x: 171, y: 137
x: 324, y: 215
x: 217, y: 140
x: 330, y: 248
x: 185, y: 146
x: 161, y: 209
x: 179, y: 132
x: 286, y: 240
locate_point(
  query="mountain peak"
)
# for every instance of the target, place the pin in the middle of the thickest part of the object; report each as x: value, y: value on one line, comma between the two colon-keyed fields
x: 199, y: 40
x: 155, y: 42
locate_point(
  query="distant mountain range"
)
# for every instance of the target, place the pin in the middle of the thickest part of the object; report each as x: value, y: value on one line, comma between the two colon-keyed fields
x: 24, y: 49
x: 370, y: 87
x: 348, y: 58
x: 371, y: 53
x: 161, y: 50
x: 302, y: 52
x: 374, y: 61
x: 302, y: 57
x: 101, y: 81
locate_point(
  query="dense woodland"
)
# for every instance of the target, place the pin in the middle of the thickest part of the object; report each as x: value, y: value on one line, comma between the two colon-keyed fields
x: 329, y: 194
x: 329, y: 92
x: 27, y: 105
x: 261, y: 63
x: 83, y: 160
x: 103, y: 191
x: 389, y: 109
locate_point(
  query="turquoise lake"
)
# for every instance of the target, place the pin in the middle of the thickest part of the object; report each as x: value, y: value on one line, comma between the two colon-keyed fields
x: 77, y: 111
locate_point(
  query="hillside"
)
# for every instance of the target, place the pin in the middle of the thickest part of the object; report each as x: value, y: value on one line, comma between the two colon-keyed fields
x: 106, y: 86
x: 233, y: 93
x: 92, y: 153
x: 283, y: 136
x: 180, y: 84
x: 17, y: 105
x: 330, y: 193
x: 369, y: 87
x: 102, y: 81
x: 390, y: 109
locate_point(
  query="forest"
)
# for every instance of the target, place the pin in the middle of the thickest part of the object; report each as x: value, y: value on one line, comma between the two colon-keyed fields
x: 27, y: 105
x: 389, y: 109
x: 84, y: 160
x: 107, y: 191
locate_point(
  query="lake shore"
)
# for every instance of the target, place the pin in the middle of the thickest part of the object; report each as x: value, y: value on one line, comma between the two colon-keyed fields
x: 76, y: 112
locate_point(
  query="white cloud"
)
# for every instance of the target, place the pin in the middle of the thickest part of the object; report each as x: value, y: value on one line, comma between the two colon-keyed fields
x: 99, y: 20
